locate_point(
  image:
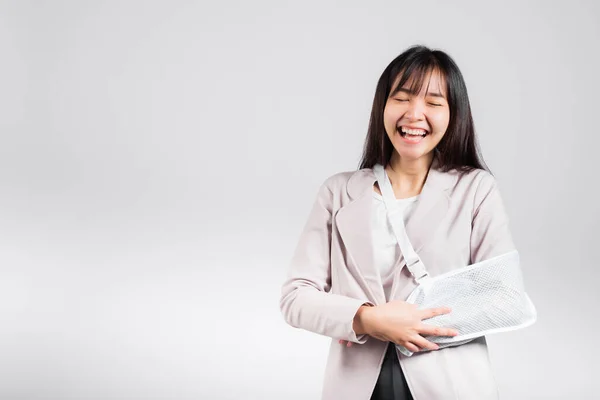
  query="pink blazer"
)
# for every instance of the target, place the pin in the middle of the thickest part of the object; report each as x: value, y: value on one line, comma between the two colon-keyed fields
x: 459, y: 220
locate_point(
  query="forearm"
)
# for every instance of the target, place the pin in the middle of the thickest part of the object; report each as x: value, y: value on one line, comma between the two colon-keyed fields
x: 324, y: 313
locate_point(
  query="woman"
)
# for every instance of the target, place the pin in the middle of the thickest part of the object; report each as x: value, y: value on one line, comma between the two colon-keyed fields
x: 348, y: 279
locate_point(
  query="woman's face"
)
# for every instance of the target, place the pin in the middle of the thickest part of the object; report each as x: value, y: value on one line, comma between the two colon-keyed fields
x: 416, y: 122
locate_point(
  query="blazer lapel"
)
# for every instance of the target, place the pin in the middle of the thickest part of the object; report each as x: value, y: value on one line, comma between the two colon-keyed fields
x: 429, y: 211
x: 355, y: 228
x: 354, y: 224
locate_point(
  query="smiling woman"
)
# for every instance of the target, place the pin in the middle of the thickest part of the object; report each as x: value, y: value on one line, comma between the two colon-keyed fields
x: 348, y: 278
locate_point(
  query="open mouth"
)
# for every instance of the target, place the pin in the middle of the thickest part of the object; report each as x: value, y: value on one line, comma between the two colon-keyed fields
x: 412, y: 135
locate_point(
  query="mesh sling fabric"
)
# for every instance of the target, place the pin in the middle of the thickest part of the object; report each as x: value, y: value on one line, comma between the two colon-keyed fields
x: 486, y: 297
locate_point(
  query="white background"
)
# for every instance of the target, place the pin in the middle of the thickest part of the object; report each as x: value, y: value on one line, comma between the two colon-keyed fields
x: 158, y: 160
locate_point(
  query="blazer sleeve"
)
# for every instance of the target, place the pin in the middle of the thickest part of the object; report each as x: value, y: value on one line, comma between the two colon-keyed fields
x: 305, y: 301
x: 490, y: 234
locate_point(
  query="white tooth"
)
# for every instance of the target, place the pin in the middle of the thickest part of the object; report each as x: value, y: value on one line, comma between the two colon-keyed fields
x: 416, y: 132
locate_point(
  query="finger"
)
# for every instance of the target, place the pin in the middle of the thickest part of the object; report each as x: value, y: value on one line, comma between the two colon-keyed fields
x: 433, y: 312
x: 349, y: 344
x: 428, y: 330
x: 411, y: 347
x: 423, y: 343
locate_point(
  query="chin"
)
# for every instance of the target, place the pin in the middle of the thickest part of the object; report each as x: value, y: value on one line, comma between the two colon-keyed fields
x: 413, y: 155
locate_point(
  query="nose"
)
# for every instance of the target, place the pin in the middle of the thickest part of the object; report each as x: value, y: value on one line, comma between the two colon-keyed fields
x: 415, y: 110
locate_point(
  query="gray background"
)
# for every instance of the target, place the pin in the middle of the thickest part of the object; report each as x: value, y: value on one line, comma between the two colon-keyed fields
x: 159, y: 159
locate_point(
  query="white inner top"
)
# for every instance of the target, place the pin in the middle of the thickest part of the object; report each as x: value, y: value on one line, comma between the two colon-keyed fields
x: 385, y: 244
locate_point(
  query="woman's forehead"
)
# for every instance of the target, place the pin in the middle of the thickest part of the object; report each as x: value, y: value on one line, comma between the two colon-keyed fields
x: 422, y: 81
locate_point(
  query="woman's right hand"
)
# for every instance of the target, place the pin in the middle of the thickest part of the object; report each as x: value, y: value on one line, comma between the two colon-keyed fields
x: 401, y: 323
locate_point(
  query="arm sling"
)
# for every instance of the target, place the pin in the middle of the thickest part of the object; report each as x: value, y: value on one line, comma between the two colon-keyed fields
x: 486, y: 297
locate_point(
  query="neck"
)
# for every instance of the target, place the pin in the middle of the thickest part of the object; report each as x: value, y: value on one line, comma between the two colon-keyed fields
x: 408, y: 176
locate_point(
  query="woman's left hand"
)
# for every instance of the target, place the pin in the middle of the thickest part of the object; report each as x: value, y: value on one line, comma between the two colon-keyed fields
x: 345, y: 342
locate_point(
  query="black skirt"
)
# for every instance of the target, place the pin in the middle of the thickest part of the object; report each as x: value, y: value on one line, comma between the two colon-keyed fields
x: 391, y: 384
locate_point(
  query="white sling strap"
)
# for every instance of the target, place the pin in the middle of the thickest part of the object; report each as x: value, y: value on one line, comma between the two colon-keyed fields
x: 396, y: 220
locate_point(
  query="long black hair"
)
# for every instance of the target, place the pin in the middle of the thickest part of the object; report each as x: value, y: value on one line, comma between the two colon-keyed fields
x: 458, y: 149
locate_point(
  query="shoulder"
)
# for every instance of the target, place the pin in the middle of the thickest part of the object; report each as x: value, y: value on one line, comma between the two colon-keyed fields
x: 480, y: 189
x: 342, y: 187
x: 475, y: 180
x: 340, y: 181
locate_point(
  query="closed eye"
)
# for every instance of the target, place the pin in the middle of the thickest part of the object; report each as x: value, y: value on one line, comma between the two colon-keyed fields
x: 435, y: 104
